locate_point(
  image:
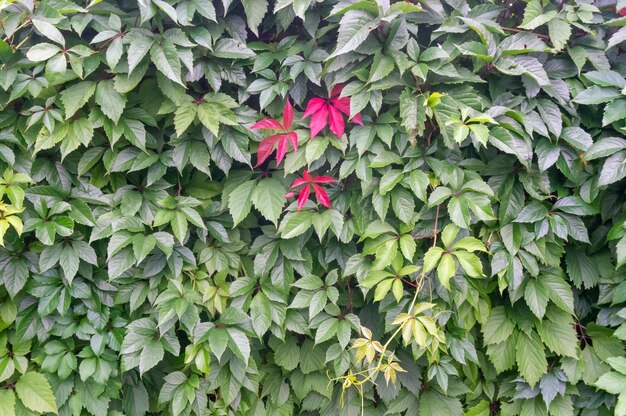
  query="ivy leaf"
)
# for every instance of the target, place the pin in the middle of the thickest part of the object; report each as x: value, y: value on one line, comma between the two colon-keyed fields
x: 240, y: 201
x: 151, y: 354
x: 261, y: 314
x: 111, y: 102
x: 165, y: 57
x: 354, y: 28
x: 560, y: 32
x: 269, y: 198
x: 7, y: 403
x: 49, y: 30
x: 42, y: 52
x: 531, y: 358
x: 255, y: 10
x: 35, y: 393
x: 76, y: 96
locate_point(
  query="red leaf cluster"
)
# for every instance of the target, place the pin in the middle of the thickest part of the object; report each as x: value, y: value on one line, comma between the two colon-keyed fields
x: 308, y: 182
x: 266, y: 147
x: 323, y: 111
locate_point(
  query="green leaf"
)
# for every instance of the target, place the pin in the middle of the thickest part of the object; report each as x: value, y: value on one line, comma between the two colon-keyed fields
x: 535, y: 16
x: 531, y: 358
x: 498, y: 328
x: 35, y: 393
x: 536, y: 297
x: 412, y: 112
x: 49, y: 30
x: 111, y: 102
x: 560, y: 32
x: 76, y: 96
x: 269, y: 198
x: 382, y: 66
x: 255, y: 10
x: 614, y: 111
x: 533, y: 212
x: 151, y: 354
x: 296, y: 224
x: 183, y: 117
x: 354, y: 28
x: 239, y: 344
x: 179, y: 226
x: 240, y: 201
x: 42, y: 52
x: 614, y: 383
x: 7, y: 403
x: 165, y: 57
x: 261, y: 314
x: 446, y: 269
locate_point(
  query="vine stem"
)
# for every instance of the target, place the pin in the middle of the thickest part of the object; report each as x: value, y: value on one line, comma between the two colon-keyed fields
x: 376, y: 369
x: 517, y: 30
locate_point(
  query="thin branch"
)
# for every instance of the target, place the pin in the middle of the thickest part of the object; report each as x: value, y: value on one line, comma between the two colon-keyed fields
x: 517, y: 30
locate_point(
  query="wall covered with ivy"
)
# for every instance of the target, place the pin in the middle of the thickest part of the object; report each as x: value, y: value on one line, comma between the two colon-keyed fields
x: 312, y: 207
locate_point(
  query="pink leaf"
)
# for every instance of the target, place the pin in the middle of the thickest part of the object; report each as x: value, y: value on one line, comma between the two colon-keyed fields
x: 293, y: 136
x: 290, y: 195
x: 342, y: 104
x: 324, y: 179
x: 336, y: 121
x: 307, y: 176
x: 265, y: 148
x: 303, y: 197
x: 319, y: 121
x: 298, y: 182
x: 321, y: 196
x: 288, y: 115
x: 357, y: 119
x: 336, y: 92
x: 315, y: 105
x: 267, y: 124
x: 281, y: 149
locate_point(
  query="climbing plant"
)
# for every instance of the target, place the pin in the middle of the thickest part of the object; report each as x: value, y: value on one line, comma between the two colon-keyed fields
x: 315, y: 207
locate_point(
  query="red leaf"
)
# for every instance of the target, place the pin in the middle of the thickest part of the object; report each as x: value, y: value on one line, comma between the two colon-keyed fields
x: 293, y: 136
x: 298, y: 182
x: 265, y: 148
x: 336, y: 92
x: 622, y: 11
x: 336, y: 121
x: 324, y: 179
x: 307, y: 176
x: 357, y: 119
x: 319, y: 121
x: 321, y: 196
x: 267, y: 124
x: 282, y: 148
x: 315, y: 105
x: 303, y: 197
x: 287, y: 115
x: 342, y: 104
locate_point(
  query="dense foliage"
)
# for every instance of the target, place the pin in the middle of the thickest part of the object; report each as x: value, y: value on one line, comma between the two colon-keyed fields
x: 312, y: 207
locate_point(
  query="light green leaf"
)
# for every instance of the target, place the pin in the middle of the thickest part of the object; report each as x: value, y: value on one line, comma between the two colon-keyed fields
x: 165, y: 57
x: 269, y: 198
x: 42, y: 52
x: 35, y: 393
x: 240, y: 201
x: 531, y: 358
x: 111, y: 102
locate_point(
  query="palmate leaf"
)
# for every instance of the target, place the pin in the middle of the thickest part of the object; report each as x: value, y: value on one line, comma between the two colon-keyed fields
x: 354, y: 28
